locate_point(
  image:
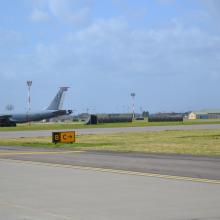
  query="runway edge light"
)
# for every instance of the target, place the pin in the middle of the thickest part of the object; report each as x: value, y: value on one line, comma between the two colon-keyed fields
x: 64, y: 137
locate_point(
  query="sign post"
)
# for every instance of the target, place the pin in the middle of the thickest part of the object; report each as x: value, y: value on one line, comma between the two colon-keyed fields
x: 64, y: 137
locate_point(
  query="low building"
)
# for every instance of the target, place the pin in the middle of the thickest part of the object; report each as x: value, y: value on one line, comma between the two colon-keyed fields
x: 205, y: 114
x: 197, y: 115
x: 166, y: 117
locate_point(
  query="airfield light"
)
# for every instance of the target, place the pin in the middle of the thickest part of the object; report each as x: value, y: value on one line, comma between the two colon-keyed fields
x: 29, y: 84
x: 133, y: 101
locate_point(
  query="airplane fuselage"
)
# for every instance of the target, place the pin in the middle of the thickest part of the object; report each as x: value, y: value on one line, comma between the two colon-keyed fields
x: 37, y: 116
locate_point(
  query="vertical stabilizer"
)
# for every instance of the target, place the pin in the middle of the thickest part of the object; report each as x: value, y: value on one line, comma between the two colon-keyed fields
x: 57, y: 102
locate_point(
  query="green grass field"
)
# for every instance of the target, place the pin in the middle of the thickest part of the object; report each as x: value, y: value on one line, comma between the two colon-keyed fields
x: 194, y: 142
x: 76, y: 125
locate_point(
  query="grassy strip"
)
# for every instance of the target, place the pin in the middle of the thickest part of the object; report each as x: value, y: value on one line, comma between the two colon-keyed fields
x: 60, y: 126
x: 194, y: 142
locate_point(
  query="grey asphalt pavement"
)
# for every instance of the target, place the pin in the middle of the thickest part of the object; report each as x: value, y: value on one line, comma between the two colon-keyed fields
x: 42, y: 133
x: 175, y: 165
x: 56, y: 184
x: 30, y: 191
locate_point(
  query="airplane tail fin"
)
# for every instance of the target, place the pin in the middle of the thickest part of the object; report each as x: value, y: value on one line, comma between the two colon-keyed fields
x: 57, y: 102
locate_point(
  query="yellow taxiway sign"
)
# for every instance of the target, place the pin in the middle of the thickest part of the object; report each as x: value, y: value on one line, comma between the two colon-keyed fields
x: 64, y: 137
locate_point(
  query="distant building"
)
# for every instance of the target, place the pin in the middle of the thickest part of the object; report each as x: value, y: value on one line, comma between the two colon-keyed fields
x: 162, y: 117
x: 83, y: 116
x: 205, y: 114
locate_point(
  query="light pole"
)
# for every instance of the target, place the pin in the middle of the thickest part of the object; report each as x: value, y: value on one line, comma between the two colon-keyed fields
x: 133, y: 98
x: 29, y: 84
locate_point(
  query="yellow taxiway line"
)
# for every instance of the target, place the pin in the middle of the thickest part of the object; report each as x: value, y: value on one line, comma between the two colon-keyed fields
x: 97, y: 169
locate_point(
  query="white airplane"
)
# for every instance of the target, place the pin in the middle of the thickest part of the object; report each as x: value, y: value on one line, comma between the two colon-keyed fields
x: 53, y: 110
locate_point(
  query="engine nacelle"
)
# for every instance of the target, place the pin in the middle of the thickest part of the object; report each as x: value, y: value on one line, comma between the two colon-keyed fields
x: 69, y: 112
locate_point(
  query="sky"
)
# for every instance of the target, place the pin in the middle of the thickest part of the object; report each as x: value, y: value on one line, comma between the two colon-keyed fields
x: 165, y: 51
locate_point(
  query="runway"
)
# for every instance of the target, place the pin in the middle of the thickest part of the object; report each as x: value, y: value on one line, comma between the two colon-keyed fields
x: 31, y: 190
x: 44, y: 133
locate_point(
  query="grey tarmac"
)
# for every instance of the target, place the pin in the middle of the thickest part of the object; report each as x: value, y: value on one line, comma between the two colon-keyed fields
x: 31, y: 191
x: 45, y: 133
x: 56, y: 184
x: 174, y: 165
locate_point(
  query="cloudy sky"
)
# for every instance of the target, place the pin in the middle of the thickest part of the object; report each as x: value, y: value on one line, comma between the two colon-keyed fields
x: 166, y: 51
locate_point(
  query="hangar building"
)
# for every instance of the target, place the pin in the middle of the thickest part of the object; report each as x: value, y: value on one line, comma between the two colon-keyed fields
x: 205, y: 114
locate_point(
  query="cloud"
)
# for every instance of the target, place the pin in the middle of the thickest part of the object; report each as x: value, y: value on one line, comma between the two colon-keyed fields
x: 131, y: 10
x: 39, y: 16
x: 166, y: 1
x: 10, y: 40
x: 212, y: 4
x: 108, y: 56
x: 70, y: 11
x: 212, y: 7
x: 111, y: 57
x: 110, y: 48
